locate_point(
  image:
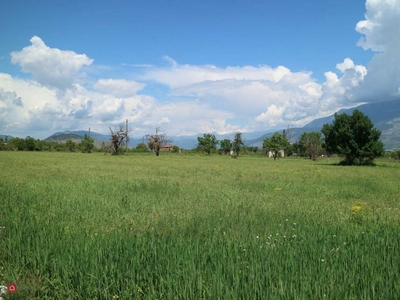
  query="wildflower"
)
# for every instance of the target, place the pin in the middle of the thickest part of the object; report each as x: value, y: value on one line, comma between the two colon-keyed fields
x: 277, y: 189
x: 322, y: 259
x: 358, y: 208
x: 355, y: 209
x: 12, y: 288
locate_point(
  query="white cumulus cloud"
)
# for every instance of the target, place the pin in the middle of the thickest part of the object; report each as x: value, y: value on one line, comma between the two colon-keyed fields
x: 381, y: 33
x: 246, y: 92
x: 50, y: 67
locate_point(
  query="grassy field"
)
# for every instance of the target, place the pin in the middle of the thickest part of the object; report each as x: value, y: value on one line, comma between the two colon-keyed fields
x: 89, y: 226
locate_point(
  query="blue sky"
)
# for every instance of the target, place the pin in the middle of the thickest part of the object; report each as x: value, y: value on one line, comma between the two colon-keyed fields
x: 189, y: 66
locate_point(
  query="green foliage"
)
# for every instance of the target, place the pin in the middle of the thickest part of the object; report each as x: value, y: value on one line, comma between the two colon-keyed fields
x: 252, y: 149
x: 2, y: 144
x: 208, y: 143
x: 312, y: 143
x: 353, y: 137
x: 86, y: 144
x: 29, y: 143
x: 17, y: 144
x: 395, y: 155
x: 185, y: 227
x: 141, y: 147
x: 225, y: 146
x: 299, y: 149
x: 277, y: 143
x: 237, y: 143
x: 70, y: 145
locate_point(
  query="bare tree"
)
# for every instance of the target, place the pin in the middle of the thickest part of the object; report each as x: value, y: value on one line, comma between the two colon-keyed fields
x: 156, y: 140
x: 118, y: 139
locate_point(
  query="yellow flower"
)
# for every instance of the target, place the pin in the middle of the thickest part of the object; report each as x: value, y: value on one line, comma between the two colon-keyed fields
x: 277, y: 189
x: 358, y: 208
x: 355, y: 209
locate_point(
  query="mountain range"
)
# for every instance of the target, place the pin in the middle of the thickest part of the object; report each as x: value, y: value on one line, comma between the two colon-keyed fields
x: 384, y: 115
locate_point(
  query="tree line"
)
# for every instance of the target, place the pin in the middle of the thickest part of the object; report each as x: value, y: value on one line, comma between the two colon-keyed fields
x: 352, y: 137
x: 31, y: 144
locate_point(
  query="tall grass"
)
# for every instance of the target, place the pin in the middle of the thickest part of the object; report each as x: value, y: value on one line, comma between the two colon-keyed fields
x: 89, y: 226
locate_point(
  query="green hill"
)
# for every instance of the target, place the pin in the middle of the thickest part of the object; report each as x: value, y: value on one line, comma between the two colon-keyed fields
x: 62, y: 137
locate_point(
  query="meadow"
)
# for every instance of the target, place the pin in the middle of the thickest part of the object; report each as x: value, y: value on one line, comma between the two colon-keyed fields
x: 94, y: 226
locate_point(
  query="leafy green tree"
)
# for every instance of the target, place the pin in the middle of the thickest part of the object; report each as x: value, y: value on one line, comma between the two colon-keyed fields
x: 299, y: 149
x: 141, y: 147
x: 252, y: 149
x: 207, y: 143
x: 86, y: 145
x: 39, y: 144
x: 312, y: 143
x: 354, y: 138
x: 276, y: 144
x: 237, y: 143
x: 30, y: 143
x: 395, y: 155
x: 175, y: 149
x: 47, y: 146
x: 70, y: 145
x: 225, y: 146
x: 2, y: 144
x: 16, y: 144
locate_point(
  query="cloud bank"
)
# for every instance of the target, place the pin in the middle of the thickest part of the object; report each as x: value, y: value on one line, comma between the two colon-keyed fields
x: 198, y: 98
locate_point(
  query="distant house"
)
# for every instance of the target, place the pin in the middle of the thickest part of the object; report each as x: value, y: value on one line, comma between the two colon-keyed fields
x: 169, y: 148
